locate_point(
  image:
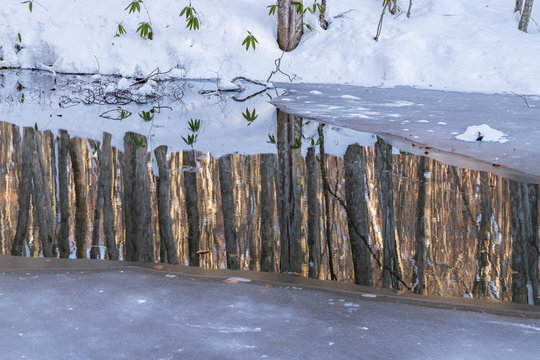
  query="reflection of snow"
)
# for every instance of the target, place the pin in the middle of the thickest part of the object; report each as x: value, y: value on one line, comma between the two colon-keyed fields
x: 226, y: 330
x: 482, y: 133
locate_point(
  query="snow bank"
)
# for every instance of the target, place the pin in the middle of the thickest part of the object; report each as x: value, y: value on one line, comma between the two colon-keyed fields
x: 482, y: 133
x: 455, y: 45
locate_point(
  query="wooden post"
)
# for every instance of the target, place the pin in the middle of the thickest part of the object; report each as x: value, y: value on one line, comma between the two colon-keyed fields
x: 358, y: 218
x: 165, y: 226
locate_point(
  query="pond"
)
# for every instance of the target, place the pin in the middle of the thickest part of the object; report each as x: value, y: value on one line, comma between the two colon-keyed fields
x: 242, y: 185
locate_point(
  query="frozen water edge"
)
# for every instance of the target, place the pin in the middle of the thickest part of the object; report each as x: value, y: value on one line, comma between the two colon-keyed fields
x: 135, y: 313
x: 432, y: 118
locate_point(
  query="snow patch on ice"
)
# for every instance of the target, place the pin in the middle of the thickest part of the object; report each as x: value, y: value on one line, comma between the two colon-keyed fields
x: 239, y: 279
x: 483, y: 132
x: 350, y: 97
x: 315, y: 92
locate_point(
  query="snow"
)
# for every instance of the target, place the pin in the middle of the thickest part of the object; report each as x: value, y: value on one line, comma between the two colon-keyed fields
x: 458, y: 45
x: 482, y: 132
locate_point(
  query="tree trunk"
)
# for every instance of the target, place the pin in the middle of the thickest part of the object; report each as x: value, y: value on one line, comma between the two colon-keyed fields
x: 165, y: 227
x: 25, y: 190
x: 315, y: 200
x: 290, y: 25
x: 108, y: 211
x: 391, y: 272
x: 519, y: 6
x: 268, y: 212
x: 81, y: 197
x: 290, y: 211
x: 192, y: 202
x: 63, y: 193
x: 525, y: 15
x: 322, y: 21
x: 357, y: 215
x: 226, y: 179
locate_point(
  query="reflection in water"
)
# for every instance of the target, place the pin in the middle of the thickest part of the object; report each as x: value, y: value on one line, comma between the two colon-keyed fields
x: 371, y: 217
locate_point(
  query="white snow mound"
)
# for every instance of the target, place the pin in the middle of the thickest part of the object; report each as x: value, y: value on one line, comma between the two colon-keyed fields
x: 482, y: 133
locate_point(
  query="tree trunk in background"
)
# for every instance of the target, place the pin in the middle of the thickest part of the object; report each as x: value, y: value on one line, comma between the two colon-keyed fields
x: 357, y: 215
x: 165, y: 227
x: 525, y: 15
x: 322, y: 16
x: 315, y: 226
x: 63, y: 193
x: 227, y: 201
x: 290, y: 26
x: 25, y: 190
x: 290, y: 211
x: 391, y: 272
x: 191, y: 198
x: 519, y: 6
x: 268, y: 212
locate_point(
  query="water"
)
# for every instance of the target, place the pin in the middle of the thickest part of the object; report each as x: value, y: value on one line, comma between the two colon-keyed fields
x: 371, y: 214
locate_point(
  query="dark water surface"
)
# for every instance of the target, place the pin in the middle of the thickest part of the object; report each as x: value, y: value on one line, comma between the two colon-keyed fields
x: 371, y: 214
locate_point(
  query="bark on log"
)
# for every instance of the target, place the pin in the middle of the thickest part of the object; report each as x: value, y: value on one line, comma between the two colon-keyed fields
x: 165, y: 227
x: 358, y: 218
x: 227, y: 202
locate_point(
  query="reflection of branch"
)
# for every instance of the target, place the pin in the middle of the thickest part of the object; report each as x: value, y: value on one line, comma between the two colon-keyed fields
x: 249, y: 97
x: 248, y: 80
x: 524, y: 99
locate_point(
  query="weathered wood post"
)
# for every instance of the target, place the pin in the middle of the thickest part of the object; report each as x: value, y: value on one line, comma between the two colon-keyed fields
x: 358, y: 219
x: 391, y: 272
x: 165, y: 227
x: 268, y: 203
x: 191, y: 197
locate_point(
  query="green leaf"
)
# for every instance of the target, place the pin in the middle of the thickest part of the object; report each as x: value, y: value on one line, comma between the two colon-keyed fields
x: 134, y: 6
x: 20, y: 38
x: 35, y: 127
x: 273, y: 9
x: 272, y: 139
x: 250, y: 40
x: 145, y: 30
x: 299, y: 7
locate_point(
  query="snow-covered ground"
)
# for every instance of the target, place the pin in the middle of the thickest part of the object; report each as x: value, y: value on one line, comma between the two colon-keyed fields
x: 454, y: 45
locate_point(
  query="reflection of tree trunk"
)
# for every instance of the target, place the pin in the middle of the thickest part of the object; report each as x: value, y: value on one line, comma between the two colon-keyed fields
x: 423, y: 225
x: 227, y: 201
x: 289, y: 31
x: 63, y: 193
x: 41, y: 196
x: 191, y: 199
x: 81, y: 200
x: 481, y: 283
x: 314, y: 212
x: 520, y: 274
x: 165, y: 227
x: 25, y: 190
x: 106, y: 179
x: 254, y: 215
x: 358, y: 219
x: 383, y: 167
x: 268, y: 212
x: 326, y: 192
x: 137, y: 206
x: 290, y: 192
x: 533, y: 241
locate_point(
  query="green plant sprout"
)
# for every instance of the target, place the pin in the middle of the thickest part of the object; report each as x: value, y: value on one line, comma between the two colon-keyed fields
x: 194, y: 125
x: 138, y: 142
x: 272, y: 139
x: 95, y: 148
x: 273, y: 9
x: 250, y: 40
x: 250, y: 117
x: 120, y: 31
x: 36, y: 127
x: 134, y: 6
x: 29, y: 4
x: 192, y: 19
x: 145, y: 30
x: 147, y: 115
